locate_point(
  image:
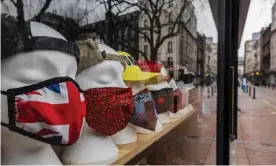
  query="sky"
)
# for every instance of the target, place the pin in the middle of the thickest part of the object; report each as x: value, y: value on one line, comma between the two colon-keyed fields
x: 259, y: 15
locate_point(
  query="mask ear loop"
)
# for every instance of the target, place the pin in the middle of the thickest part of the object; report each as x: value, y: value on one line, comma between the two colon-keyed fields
x: 24, y: 28
x: 129, y: 61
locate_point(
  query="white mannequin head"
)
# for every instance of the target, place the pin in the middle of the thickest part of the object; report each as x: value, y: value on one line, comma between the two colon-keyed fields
x: 25, y: 69
x: 105, y: 74
x: 172, y: 84
x: 93, y: 147
x: 161, y: 85
x: 164, y: 117
x: 137, y: 87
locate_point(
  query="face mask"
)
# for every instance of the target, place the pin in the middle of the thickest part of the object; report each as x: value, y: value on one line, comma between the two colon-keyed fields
x: 108, y: 109
x: 51, y: 111
x: 163, y: 99
x: 178, y: 102
x: 145, y: 115
x: 90, y: 55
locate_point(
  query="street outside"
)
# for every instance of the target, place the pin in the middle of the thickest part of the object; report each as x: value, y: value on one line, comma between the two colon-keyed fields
x: 256, y: 143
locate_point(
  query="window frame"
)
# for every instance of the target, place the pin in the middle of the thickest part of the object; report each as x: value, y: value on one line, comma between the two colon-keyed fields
x: 170, y: 47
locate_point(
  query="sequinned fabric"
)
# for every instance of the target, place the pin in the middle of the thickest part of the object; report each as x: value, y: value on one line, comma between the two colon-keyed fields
x: 163, y: 99
x: 145, y: 114
x: 178, y: 101
x: 108, y: 109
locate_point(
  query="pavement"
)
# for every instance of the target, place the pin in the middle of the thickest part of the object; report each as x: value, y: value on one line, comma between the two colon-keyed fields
x: 256, y: 143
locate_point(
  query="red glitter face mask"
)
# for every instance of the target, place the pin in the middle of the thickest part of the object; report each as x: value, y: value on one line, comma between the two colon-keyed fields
x: 108, y: 109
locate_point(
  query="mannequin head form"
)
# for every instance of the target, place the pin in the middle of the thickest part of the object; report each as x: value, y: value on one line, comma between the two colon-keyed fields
x: 108, y: 73
x: 172, y: 84
x: 137, y: 87
x: 181, y: 110
x: 94, y: 147
x: 158, y: 67
x: 23, y: 69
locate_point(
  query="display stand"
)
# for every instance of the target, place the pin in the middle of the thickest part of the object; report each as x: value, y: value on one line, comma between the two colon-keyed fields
x: 144, y: 141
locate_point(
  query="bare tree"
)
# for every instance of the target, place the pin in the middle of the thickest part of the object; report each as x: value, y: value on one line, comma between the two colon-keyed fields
x: 80, y: 11
x: 21, y: 4
x: 113, y: 10
x: 155, y: 11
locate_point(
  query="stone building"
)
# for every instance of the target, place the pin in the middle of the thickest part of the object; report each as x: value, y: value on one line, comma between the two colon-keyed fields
x: 201, y: 46
x: 249, y: 57
x: 265, y: 54
x: 273, y: 47
x: 257, y: 52
x: 124, y: 35
x: 182, y: 48
x: 240, y: 66
x: 211, y: 55
x: 252, y: 54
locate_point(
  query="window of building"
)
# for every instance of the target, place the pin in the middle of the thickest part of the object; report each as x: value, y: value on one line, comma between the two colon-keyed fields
x: 170, y: 30
x: 145, y: 37
x: 146, y: 50
x: 170, y: 46
x: 171, y: 3
x: 146, y: 24
x: 126, y: 33
x: 186, y: 51
x: 170, y: 18
x: 121, y: 33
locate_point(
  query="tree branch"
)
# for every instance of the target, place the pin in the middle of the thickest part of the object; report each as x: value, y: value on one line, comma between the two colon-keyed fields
x: 14, y: 3
x: 42, y: 10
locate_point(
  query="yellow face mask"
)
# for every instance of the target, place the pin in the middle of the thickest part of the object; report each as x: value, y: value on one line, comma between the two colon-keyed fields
x: 132, y: 71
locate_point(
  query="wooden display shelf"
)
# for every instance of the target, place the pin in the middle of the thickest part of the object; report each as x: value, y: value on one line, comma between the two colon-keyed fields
x: 129, y: 151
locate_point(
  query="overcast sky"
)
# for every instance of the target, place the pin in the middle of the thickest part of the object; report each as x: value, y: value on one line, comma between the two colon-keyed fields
x: 259, y: 15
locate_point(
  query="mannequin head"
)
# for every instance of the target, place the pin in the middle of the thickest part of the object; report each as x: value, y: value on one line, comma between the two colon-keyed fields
x: 162, y: 71
x: 154, y: 66
x: 172, y: 84
x: 135, y: 78
x: 108, y: 73
x: 23, y: 69
x: 94, y: 147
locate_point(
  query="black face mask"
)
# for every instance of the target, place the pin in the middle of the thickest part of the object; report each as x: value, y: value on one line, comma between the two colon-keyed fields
x: 163, y: 99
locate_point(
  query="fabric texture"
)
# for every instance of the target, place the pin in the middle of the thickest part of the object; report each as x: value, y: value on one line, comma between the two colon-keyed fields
x: 50, y: 112
x: 163, y: 99
x: 145, y: 114
x: 108, y: 109
x: 90, y: 55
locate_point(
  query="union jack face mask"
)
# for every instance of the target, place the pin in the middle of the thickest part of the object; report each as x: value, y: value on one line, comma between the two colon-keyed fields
x: 51, y: 111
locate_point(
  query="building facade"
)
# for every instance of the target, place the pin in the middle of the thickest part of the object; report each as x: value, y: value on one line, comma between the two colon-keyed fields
x: 124, y: 35
x: 265, y: 54
x: 273, y: 47
x: 182, y: 48
x: 211, y: 55
x: 201, y: 45
x: 249, y: 57
x: 240, y: 66
x: 252, y: 54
